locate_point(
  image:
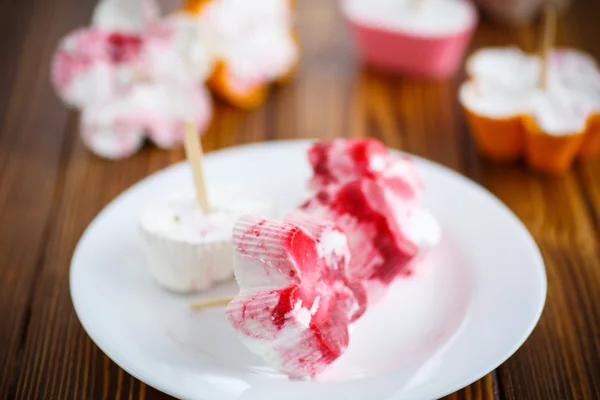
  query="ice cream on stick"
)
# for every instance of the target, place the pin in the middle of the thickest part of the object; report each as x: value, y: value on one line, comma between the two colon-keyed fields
x: 543, y: 108
x: 117, y: 128
x: 195, y: 156
x: 295, y: 302
x: 188, y: 237
x: 302, y: 281
x: 133, y: 76
x: 376, y: 199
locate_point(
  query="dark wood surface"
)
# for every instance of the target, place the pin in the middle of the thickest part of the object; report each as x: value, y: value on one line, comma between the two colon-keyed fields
x: 51, y: 187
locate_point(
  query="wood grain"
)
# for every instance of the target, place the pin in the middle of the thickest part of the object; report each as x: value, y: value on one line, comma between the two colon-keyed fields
x: 563, y: 349
x: 32, y: 139
x: 586, y: 36
x: 52, y: 187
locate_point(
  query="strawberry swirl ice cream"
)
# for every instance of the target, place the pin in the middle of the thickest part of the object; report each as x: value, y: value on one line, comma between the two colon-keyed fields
x: 376, y: 199
x: 304, y: 280
x: 134, y: 76
x: 97, y: 63
x: 295, y: 302
x: 88, y: 67
x: 119, y: 127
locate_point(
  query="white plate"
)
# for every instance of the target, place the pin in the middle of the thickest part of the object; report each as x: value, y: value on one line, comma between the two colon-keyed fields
x: 474, y: 302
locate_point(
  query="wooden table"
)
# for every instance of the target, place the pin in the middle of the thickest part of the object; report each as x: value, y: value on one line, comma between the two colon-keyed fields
x: 51, y: 188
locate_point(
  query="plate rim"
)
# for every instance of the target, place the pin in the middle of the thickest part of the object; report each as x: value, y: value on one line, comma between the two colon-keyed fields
x: 125, y: 365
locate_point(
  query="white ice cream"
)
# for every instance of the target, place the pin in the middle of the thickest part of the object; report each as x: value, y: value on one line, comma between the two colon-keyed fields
x: 131, y: 16
x: 421, y: 17
x: 188, y: 250
x: 252, y: 38
x: 294, y: 333
x: 494, y: 101
x: 287, y: 297
x: 190, y: 41
x: 180, y: 218
x: 149, y: 110
x: 424, y: 230
x: 506, y: 83
x: 333, y: 244
x: 507, y: 67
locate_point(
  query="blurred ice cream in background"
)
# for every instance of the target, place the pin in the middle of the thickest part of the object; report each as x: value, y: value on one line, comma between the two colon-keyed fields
x: 427, y: 38
x: 134, y: 75
x: 142, y: 68
x: 252, y: 43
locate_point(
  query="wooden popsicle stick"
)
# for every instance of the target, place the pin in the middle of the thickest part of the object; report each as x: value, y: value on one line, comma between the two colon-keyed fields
x: 548, y: 39
x: 195, y: 156
x: 209, y: 303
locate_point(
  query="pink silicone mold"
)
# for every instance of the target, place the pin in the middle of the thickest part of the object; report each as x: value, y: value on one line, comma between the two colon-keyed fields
x: 408, y: 53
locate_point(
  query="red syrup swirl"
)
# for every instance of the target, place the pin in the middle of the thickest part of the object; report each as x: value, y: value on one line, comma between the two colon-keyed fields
x: 319, y: 286
x: 366, y: 197
x: 351, y: 200
x: 123, y: 48
x: 363, y: 188
x: 360, y: 152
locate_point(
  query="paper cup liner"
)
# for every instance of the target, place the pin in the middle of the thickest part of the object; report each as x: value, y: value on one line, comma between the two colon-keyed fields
x: 261, y: 243
x: 498, y: 139
x: 185, y: 267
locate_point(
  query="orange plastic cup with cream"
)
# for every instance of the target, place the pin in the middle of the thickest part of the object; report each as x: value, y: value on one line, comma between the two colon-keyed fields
x: 247, y: 98
x: 591, y: 143
x: 254, y: 45
x: 195, y: 6
x: 510, y: 116
x: 500, y: 139
x: 549, y: 153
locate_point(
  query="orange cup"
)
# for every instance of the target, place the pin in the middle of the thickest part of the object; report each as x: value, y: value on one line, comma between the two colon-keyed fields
x: 548, y: 153
x: 520, y: 135
x: 498, y: 139
x: 195, y: 6
x: 591, y: 143
x: 219, y: 83
x: 507, y: 139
